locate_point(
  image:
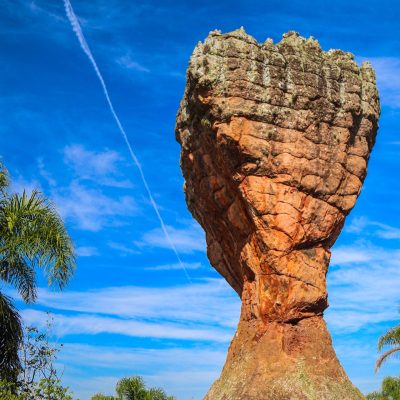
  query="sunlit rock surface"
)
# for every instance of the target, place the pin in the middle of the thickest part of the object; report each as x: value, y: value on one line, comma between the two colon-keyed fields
x: 275, y: 144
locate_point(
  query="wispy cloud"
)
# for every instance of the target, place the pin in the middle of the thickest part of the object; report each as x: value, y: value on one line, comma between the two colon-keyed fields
x: 93, y: 324
x: 86, y: 49
x: 44, y: 11
x: 90, y: 209
x: 206, y: 310
x: 113, y: 357
x: 366, y: 227
x: 122, y: 248
x: 128, y: 62
x: 351, y: 255
x: 181, y: 371
x: 363, y: 287
x: 211, y: 303
x: 103, y: 167
x: 86, y: 251
x: 45, y: 174
x: 171, y: 267
x: 186, y: 240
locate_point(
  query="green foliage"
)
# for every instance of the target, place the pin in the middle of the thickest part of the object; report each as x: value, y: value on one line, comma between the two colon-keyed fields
x: 50, y: 389
x: 390, y: 338
x: 100, y: 396
x: 390, y: 390
x: 38, y: 378
x: 134, y: 388
x: 8, y: 391
x: 32, y: 235
x: 10, y: 339
x: 375, y: 396
x: 46, y: 389
x: 159, y: 394
x: 131, y: 388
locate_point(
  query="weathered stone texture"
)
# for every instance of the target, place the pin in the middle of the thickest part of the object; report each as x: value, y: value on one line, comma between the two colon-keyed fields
x: 275, y: 144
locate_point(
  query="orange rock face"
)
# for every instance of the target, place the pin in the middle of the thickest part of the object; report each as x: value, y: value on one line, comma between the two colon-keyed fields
x: 275, y: 144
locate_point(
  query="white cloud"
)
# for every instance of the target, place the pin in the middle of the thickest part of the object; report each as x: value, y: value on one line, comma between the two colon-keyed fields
x: 349, y: 255
x: 181, y: 371
x: 177, y: 371
x: 90, y: 209
x: 44, y: 11
x: 126, y: 61
x: 86, y: 251
x: 94, y: 324
x: 113, y: 357
x: 45, y: 174
x: 363, y: 287
x: 387, y: 231
x: 356, y: 225
x: 211, y: 302
x: 201, y: 316
x: 364, y: 226
x: 170, y: 267
x: 186, y: 240
x: 361, y: 252
x: 122, y: 248
x: 102, y: 167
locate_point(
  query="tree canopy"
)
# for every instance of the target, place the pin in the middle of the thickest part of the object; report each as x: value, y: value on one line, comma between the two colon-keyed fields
x: 32, y: 235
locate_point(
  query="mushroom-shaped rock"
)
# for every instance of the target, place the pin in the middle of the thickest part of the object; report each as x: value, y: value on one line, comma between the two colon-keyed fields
x: 275, y: 144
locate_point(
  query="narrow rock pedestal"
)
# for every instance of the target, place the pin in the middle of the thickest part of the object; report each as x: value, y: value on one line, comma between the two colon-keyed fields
x: 275, y: 143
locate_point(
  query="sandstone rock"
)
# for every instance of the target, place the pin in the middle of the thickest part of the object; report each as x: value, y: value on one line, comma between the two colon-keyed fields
x: 275, y: 144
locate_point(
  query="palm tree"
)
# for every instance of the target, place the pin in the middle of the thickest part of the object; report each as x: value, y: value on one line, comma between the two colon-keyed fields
x: 101, y: 396
x: 32, y: 235
x: 131, y: 389
x: 390, y: 338
x: 390, y: 390
x: 159, y: 394
x: 134, y: 388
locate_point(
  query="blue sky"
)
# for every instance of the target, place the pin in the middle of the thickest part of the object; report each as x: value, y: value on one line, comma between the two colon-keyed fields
x: 130, y: 308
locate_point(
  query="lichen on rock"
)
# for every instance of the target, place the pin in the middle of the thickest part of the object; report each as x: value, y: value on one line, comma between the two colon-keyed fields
x: 275, y: 144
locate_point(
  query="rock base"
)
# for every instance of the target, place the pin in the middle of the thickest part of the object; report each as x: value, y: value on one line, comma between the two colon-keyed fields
x: 281, y: 361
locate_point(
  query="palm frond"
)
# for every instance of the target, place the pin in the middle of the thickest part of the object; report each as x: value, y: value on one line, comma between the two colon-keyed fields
x: 390, y: 338
x: 16, y: 272
x: 10, y: 339
x: 31, y: 229
x: 385, y: 356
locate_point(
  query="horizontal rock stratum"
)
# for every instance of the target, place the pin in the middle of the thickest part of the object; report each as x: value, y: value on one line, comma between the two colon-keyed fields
x: 275, y: 144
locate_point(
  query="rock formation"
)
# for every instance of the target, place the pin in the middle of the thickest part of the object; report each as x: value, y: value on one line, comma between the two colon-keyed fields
x: 275, y: 143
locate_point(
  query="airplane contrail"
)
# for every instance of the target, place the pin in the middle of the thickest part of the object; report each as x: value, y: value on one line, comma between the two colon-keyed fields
x: 85, y: 47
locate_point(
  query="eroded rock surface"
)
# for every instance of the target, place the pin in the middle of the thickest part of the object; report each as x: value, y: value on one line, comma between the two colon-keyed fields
x: 275, y: 144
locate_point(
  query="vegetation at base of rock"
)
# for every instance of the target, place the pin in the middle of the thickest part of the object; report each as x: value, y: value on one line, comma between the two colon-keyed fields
x: 390, y: 390
x: 37, y: 376
x: 100, y: 396
x: 32, y: 235
x: 49, y: 389
x: 134, y: 388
